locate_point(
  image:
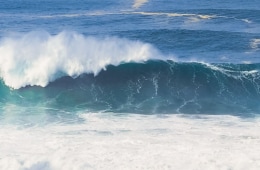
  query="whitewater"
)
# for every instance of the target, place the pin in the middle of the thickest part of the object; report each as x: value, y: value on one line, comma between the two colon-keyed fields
x: 67, y: 53
x: 135, y: 84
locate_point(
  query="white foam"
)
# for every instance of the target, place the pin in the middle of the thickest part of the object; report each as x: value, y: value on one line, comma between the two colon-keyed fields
x: 191, y: 16
x: 134, y: 142
x: 36, y: 58
x: 255, y: 44
x: 139, y: 3
x: 237, y: 74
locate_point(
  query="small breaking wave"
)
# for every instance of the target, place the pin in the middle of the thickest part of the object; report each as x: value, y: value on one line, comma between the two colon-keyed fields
x: 138, y: 3
x: 255, y: 44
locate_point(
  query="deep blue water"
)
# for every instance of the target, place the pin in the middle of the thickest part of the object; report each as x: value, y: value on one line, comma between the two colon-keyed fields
x: 155, y: 57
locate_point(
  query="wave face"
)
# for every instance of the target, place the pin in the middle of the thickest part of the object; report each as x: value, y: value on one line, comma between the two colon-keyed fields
x: 155, y: 86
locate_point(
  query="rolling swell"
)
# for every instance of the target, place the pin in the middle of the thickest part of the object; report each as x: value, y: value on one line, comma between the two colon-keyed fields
x: 155, y: 86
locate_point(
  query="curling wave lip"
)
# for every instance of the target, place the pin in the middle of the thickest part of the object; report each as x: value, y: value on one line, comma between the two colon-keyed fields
x: 37, y: 58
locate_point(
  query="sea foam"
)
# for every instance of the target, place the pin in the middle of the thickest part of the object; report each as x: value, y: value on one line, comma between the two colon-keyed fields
x: 37, y: 58
x: 134, y: 142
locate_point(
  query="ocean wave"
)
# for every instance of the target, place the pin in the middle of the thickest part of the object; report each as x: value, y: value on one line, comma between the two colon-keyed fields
x: 192, y: 16
x: 200, y: 16
x: 155, y: 86
x: 37, y: 58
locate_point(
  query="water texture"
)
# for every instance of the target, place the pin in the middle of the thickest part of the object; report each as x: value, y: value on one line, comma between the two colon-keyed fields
x: 129, y: 84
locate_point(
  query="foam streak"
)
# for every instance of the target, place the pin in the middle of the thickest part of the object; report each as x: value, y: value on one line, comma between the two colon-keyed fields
x: 138, y: 3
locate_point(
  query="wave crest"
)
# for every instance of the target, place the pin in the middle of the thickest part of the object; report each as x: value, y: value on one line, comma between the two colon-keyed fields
x: 37, y: 58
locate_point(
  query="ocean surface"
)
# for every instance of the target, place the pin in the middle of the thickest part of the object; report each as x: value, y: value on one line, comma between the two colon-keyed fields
x: 129, y: 84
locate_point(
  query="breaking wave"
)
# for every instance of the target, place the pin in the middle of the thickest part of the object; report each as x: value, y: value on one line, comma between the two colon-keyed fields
x: 37, y: 58
x: 155, y: 86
